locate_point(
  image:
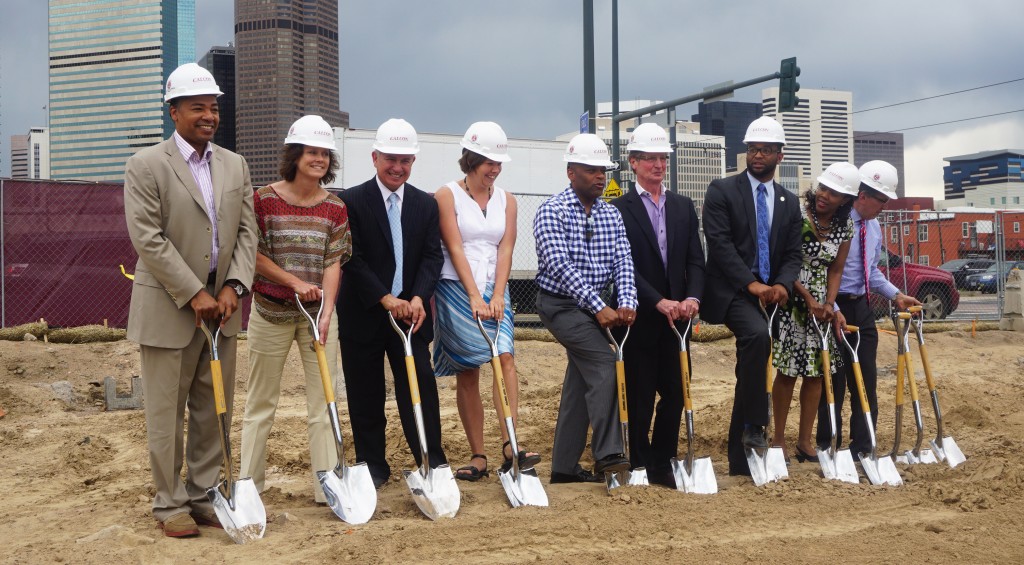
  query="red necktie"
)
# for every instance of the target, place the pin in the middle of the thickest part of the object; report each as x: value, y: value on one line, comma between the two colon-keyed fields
x: 864, y: 255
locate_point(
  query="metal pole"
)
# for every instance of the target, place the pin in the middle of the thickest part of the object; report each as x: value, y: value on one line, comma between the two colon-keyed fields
x: 693, y: 98
x: 589, y: 96
x: 3, y: 263
x: 615, y: 88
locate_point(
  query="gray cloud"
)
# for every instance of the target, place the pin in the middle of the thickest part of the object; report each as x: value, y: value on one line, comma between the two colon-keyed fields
x: 446, y: 63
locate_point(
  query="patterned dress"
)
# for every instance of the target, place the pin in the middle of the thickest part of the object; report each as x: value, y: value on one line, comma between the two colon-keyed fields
x: 796, y: 351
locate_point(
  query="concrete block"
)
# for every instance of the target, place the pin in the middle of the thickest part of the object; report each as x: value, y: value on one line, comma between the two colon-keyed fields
x: 118, y: 402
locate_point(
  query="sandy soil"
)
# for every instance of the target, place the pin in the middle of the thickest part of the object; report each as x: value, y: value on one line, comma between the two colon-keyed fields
x: 77, y: 487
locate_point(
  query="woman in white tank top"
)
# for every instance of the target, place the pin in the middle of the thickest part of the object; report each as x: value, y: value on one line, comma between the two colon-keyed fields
x: 478, y: 232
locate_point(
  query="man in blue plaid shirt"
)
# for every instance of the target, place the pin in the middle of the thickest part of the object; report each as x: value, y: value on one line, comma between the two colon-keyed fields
x: 581, y: 248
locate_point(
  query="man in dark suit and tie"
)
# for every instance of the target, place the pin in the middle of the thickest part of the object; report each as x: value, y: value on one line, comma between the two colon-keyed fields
x: 752, y: 229
x: 396, y: 261
x: 668, y: 260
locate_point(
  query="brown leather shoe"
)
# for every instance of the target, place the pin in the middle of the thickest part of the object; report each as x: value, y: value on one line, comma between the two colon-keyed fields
x: 207, y: 519
x: 180, y: 526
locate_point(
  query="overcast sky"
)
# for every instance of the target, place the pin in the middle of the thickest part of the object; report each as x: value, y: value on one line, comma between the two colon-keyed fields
x: 444, y: 64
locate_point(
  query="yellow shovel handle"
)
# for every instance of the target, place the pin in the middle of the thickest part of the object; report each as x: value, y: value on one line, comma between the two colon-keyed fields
x: 620, y: 382
x: 325, y: 374
x: 826, y: 369
x: 909, y: 367
x: 218, y: 387
x: 684, y: 366
x: 499, y: 383
x: 859, y: 377
x: 414, y: 385
x: 769, y: 377
x: 927, y: 368
x: 901, y: 367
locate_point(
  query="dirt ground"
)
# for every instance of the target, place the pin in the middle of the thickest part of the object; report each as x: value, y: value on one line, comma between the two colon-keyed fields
x: 77, y: 489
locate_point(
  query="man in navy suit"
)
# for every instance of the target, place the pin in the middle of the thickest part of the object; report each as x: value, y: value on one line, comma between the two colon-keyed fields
x: 752, y: 228
x: 389, y: 219
x: 668, y: 262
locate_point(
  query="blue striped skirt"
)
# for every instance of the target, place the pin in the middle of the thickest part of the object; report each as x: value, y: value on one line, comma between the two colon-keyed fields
x: 458, y: 345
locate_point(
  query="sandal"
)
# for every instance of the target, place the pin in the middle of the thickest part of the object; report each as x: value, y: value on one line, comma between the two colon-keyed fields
x: 526, y: 459
x: 471, y: 472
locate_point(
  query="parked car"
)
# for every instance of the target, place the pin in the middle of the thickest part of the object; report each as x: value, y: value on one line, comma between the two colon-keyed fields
x: 985, y: 281
x: 934, y: 287
x: 963, y: 268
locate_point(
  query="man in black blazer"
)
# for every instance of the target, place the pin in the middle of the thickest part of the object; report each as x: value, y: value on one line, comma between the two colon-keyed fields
x: 668, y: 262
x: 736, y: 277
x: 373, y: 284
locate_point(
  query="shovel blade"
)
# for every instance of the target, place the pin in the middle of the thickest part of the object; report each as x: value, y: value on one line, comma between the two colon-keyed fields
x: 701, y: 479
x: 350, y: 492
x: 950, y: 452
x: 838, y: 468
x: 243, y: 518
x: 526, y: 491
x: 880, y: 470
x: 437, y: 494
x: 614, y: 480
x: 924, y: 456
x: 767, y: 465
x: 638, y: 478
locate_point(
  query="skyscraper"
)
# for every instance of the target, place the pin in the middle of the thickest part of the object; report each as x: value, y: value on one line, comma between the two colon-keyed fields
x: 819, y: 131
x: 729, y: 120
x: 109, y: 60
x: 220, y: 61
x: 286, y: 56
x: 880, y: 145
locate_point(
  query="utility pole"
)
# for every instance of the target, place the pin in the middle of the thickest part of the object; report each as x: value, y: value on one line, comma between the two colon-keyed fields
x: 589, y: 93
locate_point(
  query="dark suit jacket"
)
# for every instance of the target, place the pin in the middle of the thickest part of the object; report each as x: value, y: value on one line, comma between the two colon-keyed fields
x: 367, y: 276
x: 730, y: 230
x: 684, y: 276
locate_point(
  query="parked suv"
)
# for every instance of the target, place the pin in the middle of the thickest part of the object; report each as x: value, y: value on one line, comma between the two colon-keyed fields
x: 986, y: 282
x: 963, y: 268
x: 934, y: 287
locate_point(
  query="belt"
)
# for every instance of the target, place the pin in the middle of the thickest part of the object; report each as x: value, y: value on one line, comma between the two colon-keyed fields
x: 276, y: 300
x: 846, y: 297
x: 556, y: 295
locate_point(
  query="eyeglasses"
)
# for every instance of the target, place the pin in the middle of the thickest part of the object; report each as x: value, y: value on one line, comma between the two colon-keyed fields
x: 655, y: 158
x: 766, y: 151
x: 588, y: 230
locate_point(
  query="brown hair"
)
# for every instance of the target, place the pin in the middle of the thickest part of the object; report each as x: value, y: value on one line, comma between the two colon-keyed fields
x: 470, y: 161
x: 290, y: 163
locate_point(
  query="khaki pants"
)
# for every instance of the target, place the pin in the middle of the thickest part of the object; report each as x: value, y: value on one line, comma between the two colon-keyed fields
x: 173, y: 380
x: 268, y: 348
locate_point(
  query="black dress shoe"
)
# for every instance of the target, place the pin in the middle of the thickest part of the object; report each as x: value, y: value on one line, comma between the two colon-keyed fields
x: 580, y: 476
x: 663, y: 478
x: 801, y: 456
x: 611, y: 464
x: 753, y: 438
x: 379, y: 481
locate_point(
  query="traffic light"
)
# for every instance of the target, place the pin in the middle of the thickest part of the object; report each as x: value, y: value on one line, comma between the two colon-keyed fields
x: 788, y: 86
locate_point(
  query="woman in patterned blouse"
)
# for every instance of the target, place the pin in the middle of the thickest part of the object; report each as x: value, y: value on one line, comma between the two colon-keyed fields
x: 304, y: 240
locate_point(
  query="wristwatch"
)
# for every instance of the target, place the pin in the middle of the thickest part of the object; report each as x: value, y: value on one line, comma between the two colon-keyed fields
x: 240, y: 289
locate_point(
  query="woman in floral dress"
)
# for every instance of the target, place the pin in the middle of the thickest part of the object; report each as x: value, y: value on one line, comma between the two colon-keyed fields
x: 796, y: 352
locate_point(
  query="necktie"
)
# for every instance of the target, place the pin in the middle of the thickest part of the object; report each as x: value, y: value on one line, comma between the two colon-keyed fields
x: 395, y: 219
x: 763, y: 229
x: 864, y: 255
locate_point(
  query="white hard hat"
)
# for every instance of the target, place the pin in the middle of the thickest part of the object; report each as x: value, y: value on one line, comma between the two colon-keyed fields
x: 841, y: 177
x: 588, y: 149
x: 313, y: 131
x: 765, y: 130
x: 649, y: 138
x: 487, y: 139
x: 397, y: 137
x: 190, y: 80
x: 880, y: 176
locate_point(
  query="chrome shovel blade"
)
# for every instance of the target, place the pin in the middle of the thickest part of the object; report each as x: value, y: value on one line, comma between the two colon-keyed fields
x: 924, y: 456
x: 638, y: 478
x: 244, y: 518
x: 839, y: 467
x: 350, y: 492
x: 880, y: 470
x: 437, y: 494
x: 527, y: 491
x: 700, y: 481
x: 950, y: 452
x: 614, y: 480
x: 767, y: 465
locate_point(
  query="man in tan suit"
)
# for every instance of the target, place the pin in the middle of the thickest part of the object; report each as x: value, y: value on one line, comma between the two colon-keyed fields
x: 189, y: 208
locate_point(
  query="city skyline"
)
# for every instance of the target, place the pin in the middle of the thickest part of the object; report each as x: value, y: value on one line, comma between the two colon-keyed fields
x: 448, y: 64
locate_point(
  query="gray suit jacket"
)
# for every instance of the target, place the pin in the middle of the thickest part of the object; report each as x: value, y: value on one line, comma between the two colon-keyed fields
x: 171, y: 232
